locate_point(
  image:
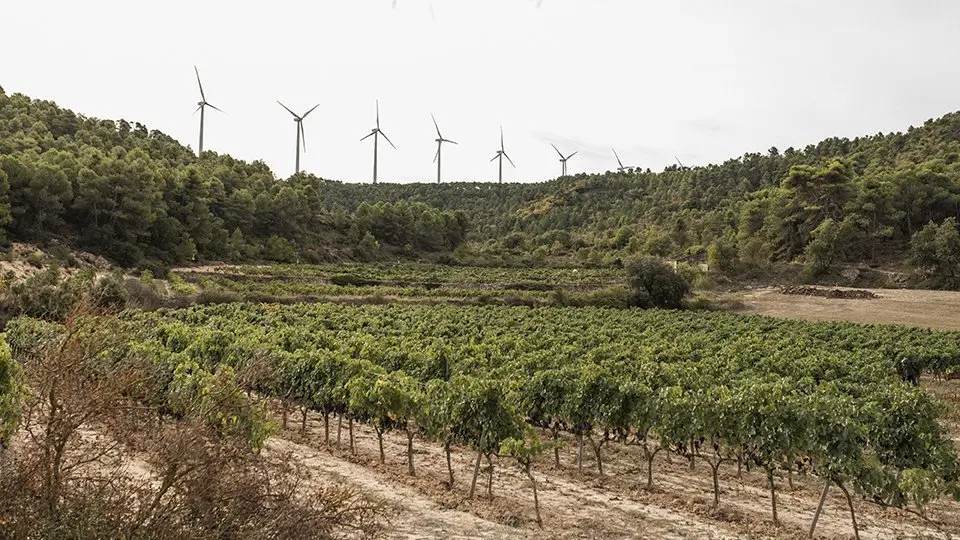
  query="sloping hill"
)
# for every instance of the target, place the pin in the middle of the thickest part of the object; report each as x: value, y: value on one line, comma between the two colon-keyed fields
x: 137, y: 196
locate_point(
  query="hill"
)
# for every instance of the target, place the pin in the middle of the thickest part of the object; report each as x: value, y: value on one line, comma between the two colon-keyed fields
x: 140, y: 198
x: 858, y: 201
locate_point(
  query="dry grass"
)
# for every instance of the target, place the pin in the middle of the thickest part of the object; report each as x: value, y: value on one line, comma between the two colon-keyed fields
x: 939, y: 310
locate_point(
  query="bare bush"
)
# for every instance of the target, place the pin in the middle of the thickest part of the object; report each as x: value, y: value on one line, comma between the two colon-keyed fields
x: 112, y: 444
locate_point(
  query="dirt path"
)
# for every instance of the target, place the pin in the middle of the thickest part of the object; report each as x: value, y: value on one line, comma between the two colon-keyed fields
x: 415, y: 516
x: 929, y: 309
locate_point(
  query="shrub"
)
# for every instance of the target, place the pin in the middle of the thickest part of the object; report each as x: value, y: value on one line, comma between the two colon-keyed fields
x: 721, y: 255
x: 514, y: 240
x: 346, y: 280
x: 217, y: 296
x: 109, y: 292
x: 655, y: 284
x: 179, y: 286
x: 11, y: 392
x: 142, y: 295
x: 44, y: 296
x: 280, y: 250
x: 36, y: 259
x: 368, y: 248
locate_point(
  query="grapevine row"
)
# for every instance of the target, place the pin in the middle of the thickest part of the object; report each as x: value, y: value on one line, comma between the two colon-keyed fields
x: 719, y: 388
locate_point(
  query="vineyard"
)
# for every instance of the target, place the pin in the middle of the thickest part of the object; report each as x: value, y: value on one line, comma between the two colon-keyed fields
x: 513, y: 384
x: 412, y: 282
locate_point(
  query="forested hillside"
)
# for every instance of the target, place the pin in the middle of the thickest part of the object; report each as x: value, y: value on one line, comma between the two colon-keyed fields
x: 860, y: 200
x: 139, y: 197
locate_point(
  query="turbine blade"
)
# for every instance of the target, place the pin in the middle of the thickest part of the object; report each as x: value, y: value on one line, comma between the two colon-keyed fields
x: 288, y: 109
x: 378, y: 114
x: 571, y: 155
x: 618, y: 157
x: 558, y: 151
x: 310, y: 111
x: 371, y: 134
x: 436, y: 126
x: 303, y: 137
x: 501, y: 138
x: 435, y: 156
x: 449, y: 141
x: 199, y: 83
x: 495, y: 157
x: 510, y: 160
x: 388, y: 139
x: 215, y: 108
x: 198, y: 109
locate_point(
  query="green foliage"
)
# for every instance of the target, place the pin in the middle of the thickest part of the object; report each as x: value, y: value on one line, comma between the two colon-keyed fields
x: 711, y: 385
x: 482, y: 416
x: 936, y: 252
x: 50, y: 295
x: 214, y: 399
x: 722, y: 255
x: 138, y: 197
x: 179, y: 286
x: 368, y: 247
x: 826, y: 247
x: 109, y: 292
x: 12, y: 392
x: 655, y: 284
x: 280, y: 250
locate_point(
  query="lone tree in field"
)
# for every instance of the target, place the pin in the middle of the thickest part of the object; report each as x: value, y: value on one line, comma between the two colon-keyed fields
x: 655, y: 284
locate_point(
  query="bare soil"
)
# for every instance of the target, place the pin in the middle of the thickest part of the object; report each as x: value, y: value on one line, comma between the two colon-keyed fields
x: 586, y: 505
x: 929, y: 309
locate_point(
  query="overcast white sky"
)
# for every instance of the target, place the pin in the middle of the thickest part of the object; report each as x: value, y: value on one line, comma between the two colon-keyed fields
x: 702, y: 79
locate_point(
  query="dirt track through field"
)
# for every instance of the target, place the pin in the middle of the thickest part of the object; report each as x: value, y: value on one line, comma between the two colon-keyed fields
x: 929, y: 309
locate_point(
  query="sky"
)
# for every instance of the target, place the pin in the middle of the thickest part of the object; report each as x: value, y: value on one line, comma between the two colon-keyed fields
x: 703, y: 80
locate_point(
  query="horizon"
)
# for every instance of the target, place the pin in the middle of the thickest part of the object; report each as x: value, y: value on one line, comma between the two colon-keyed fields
x: 737, y: 87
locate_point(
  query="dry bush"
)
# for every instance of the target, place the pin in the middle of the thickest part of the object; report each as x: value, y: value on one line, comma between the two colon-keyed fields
x: 96, y: 458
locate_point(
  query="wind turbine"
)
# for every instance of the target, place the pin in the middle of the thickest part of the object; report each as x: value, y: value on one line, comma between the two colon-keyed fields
x: 563, y: 160
x: 621, y: 168
x: 201, y: 106
x: 501, y: 153
x: 440, y: 140
x: 376, y: 133
x: 301, y: 135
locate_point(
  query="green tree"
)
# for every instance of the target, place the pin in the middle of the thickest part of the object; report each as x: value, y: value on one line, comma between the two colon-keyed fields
x: 280, y: 250
x: 809, y: 196
x: 935, y: 251
x: 655, y: 284
x: 368, y: 248
x: 828, y: 243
